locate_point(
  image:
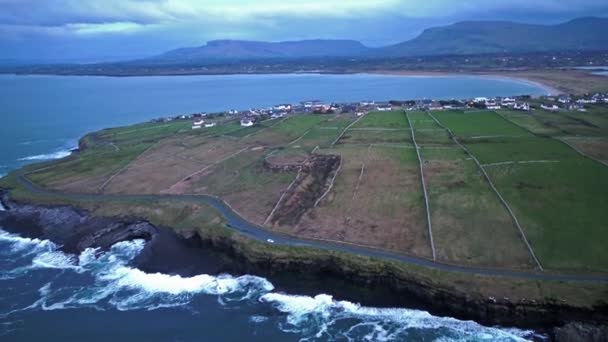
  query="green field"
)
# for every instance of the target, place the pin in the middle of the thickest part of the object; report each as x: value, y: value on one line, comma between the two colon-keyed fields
x: 557, y: 194
x: 375, y: 197
x: 390, y: 119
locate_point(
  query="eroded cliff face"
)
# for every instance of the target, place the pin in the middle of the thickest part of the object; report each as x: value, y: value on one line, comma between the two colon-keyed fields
x: 168, y: 252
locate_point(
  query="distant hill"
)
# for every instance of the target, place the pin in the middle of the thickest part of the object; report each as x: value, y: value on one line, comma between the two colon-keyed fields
x: 244, y: 50
x: 483, y: 37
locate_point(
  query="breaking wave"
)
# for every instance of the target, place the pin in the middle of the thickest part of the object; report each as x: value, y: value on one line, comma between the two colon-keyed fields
x: 106, y: 281
x: 48, y: 156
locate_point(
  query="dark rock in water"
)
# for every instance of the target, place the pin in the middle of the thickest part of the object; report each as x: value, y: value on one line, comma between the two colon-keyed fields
x: 71, y: 229
x: 575, y: 332
x: 75, y: 230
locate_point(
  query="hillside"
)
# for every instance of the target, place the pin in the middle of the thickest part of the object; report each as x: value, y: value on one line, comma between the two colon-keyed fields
x: 240, y: 50
x: 463, y: 38
x: 482, y: 37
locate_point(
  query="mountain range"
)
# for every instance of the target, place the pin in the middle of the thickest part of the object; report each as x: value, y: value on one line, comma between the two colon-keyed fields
x: 463, y: 38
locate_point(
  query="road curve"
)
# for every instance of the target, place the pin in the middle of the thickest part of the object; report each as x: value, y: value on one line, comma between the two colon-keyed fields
x: 237, y: 223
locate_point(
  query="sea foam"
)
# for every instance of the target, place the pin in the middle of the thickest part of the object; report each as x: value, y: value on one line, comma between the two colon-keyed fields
x: 116, y: 285
x: 48, y: 156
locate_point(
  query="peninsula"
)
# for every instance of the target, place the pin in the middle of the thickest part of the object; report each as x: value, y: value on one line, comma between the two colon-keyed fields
x: 486, y: 208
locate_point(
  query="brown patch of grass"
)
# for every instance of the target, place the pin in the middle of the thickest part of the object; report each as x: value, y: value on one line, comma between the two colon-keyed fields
x: 596, y: 148
x: 385, y: 211
x: 169, y: 162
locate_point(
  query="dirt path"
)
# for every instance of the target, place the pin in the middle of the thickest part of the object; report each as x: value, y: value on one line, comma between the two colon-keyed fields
x: 502, y: 200
x: 426, y: 196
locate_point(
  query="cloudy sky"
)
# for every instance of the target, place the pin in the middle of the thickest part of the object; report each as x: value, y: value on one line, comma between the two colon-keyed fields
x: 92, y: 30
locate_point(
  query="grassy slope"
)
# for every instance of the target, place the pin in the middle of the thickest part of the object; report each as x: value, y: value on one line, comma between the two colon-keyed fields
x: 559, y: 204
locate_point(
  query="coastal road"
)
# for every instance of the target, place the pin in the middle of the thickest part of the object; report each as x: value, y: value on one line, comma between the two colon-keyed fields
x: 237, y: 223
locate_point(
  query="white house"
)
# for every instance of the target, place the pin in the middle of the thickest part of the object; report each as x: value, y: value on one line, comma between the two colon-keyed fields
x: 282, y: 107
x: 198, y: 123
x: 522, y: 106
x: 247, y: 122
x: 385, y: 108
x: 551, y: 108
x: 210, y: 124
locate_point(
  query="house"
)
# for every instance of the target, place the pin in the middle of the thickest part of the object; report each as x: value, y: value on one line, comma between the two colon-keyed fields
x: 522, y: 106
x: 507, y: 102
x: 277, y: 115
x: 481, y: 100
x: 360, y: 113
x: 435, y: 105
x: 564, y: 99
x: 282, y: 107
x: 551, y: 108
x: 576, y: 107
x: 210, y: 124
x: 492, y: 105
x: 233, y: 112
x: 247, y: 122
x: 367, y: 103
x: 385, y: 108
x: 198, y: 123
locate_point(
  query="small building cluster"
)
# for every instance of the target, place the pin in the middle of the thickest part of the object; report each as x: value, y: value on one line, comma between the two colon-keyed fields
x: 253, y: 116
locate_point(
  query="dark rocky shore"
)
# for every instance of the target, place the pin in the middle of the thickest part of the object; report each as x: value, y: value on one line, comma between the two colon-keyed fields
x: 167, y: 252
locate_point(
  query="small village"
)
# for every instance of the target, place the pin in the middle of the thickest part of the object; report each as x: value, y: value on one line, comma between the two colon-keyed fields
x: 523, y: 103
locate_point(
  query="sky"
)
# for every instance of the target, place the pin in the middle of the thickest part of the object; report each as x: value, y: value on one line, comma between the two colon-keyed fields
x: 100, y: 30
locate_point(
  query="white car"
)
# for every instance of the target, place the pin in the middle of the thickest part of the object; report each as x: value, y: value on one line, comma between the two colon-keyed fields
x: 270, y: 240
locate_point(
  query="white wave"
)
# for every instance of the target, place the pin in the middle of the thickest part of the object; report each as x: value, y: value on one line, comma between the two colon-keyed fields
x: 318, y: 318
x: 48, y: 156
x: 20, y: 244
x: 115, y: 284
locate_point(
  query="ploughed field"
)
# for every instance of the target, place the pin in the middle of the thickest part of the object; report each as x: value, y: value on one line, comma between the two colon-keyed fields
x: 503, y: 189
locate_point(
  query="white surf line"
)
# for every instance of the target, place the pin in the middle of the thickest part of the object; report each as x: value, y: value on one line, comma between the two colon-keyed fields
x: 426, y: 196
x: 212, y: 165
x: 346, y: 129
x: 124, y: 168
x: 331, y: 185
x: 276, y: 206
x: 510, y: 162
x: 502, y: 200
x: 581, y: 152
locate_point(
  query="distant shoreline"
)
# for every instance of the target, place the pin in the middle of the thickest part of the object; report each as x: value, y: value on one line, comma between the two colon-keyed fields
x: 549, y: 90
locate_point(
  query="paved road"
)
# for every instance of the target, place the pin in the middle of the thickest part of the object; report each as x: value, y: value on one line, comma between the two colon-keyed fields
x: 239, y: 224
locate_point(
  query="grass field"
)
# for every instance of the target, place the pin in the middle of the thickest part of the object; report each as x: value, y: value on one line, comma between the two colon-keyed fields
x: 390, y: 119
x: 556, y: 193
x: 376, y: 199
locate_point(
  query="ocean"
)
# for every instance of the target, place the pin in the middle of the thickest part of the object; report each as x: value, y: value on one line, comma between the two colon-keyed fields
x: 46, y: 294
